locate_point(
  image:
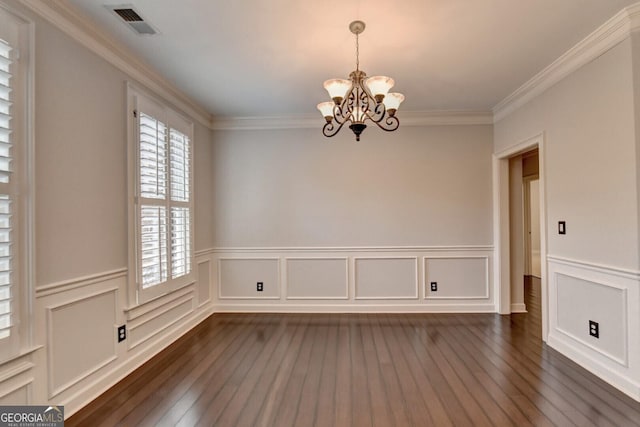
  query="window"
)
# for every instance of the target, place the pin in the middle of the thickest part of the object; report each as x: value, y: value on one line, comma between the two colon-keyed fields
x: 162, y: 150
x: 14, y: 179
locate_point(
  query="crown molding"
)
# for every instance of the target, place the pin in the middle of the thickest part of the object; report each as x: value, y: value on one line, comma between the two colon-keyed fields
x: 64, y: 16
x: 313, y: 121
x: 306, y: 121
x: 444, y: 118
x: 608, y: 35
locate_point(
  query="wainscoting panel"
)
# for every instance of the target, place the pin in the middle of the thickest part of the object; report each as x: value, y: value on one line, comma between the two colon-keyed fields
x: 16, y: 380
x: 579, y: 301
x: 238, y: 278
x: 146, y: 328
x: 580, y: 292
x: 317, y: 278
x: 76, y: 322
x: 457, y: 277
x: 204, y: 281
x: 81, y: 338
x: 16, y: 396
x: 386, y: 278
x: 351, y: 279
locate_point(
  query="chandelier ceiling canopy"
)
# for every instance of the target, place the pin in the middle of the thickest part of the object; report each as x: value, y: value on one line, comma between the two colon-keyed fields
x: 360, y: 99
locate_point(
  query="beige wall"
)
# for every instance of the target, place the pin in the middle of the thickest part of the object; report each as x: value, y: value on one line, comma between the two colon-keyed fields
x: 81, y: 235
x: 591, y: 165
x: 203, y: 191
x: 635, y: 44
x: 588, y: 123
x: 418, y: 186
x: 81, y: 179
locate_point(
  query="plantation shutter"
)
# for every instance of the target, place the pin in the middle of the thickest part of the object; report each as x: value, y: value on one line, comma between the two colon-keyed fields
x: 7, y: 192
x: 180, y: 215
x: 163, y: 196
x: 152, y: 157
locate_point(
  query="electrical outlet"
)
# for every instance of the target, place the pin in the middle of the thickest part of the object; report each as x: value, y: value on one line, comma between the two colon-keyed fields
x: 434, y: 286
x: 259, y: 286
x: 594, y: 329
x: 562, y: 227
x: 122, y: 333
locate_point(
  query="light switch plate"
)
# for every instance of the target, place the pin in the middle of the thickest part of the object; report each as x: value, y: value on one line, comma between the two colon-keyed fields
x: 562, y: 227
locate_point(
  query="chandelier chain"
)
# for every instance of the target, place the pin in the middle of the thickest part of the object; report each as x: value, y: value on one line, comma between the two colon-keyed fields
x: 357, y: 52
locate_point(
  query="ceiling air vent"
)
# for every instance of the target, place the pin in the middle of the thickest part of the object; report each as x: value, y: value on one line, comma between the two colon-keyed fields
x: 132, y: 19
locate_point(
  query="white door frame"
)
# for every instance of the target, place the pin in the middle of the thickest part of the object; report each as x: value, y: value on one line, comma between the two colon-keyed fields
x: 501, y: 263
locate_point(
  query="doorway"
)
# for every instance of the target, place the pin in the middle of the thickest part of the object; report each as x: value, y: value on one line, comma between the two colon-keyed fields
x: 523, y: 171
x: 531, y: 193
x: 515, y: 252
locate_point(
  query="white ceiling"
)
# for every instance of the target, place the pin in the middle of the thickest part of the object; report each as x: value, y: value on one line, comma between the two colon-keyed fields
x: 270, y: 57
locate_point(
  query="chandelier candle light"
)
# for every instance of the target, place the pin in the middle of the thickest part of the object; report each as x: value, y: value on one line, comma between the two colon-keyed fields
x: 360, y: 99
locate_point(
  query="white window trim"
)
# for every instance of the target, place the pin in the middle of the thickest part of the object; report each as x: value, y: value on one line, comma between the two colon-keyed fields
x: 22, y: 338
x: 136, y: 294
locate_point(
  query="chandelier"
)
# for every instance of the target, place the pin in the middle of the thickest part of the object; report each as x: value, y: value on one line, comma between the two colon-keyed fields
x: 360, y: 99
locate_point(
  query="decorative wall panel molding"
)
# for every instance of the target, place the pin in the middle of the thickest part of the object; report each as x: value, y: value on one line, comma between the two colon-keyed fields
x: 204, y: 281
x: 67, y: 285
x: 595, y: 268
x: 80, y: 338
x: 578, y: 301
x: 457, y: 277
x: 292, y: 250
x: 16, y: 381
x: 147, y: 327
x: 82, y: 358
x: 149, y: 307
x: 317, y: 278
x: 350, y: 279
x: 18, y: 394
x: 580, y: 292
x: 84, y: 392
x: 386, y: 278
x: 238, y: 278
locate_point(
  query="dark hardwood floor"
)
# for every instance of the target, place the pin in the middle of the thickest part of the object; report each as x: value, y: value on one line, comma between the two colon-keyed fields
x: 363, y: 369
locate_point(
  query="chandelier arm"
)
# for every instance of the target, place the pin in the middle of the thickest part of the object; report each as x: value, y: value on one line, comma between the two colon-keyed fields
x: 390, y: 124
x: 330, y: 129
x: 365, y: 102
x: 344, y: 111
x: 339, y: 114
x: 378, y: 113
x: 365, y: 96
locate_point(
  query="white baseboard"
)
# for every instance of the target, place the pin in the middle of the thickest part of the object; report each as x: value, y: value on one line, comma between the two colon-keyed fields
x: 519, y: 307
x: 616, y: 379
x: 356, y: 308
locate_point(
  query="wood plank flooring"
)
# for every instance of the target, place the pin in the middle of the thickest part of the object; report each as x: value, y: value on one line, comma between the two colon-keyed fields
x: 363, y: 370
